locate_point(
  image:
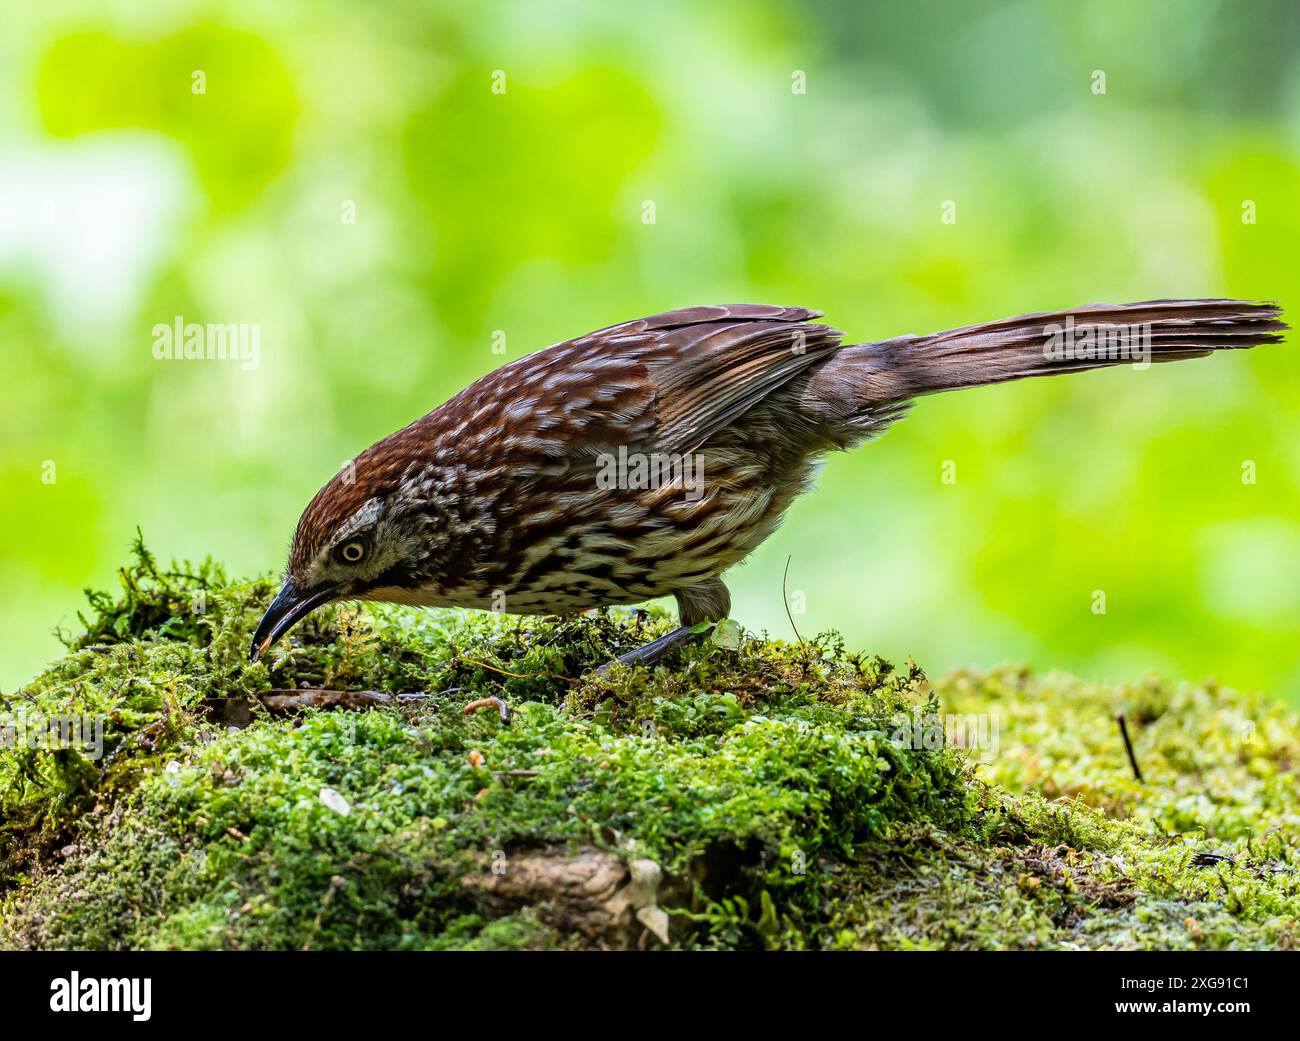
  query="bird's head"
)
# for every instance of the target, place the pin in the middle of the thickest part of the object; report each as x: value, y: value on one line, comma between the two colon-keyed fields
x: 365, y: 535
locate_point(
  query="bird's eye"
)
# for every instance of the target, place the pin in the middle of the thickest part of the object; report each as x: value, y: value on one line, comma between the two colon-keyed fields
x: 351, y: 552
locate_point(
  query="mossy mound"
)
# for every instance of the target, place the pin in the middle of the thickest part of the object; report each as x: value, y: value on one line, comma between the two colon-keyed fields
x: 760, y: 795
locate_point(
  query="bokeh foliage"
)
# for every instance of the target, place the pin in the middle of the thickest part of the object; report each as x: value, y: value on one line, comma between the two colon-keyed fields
x: 126, y: 199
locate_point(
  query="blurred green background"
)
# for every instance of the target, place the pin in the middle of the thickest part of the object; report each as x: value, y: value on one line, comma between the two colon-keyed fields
x: 127, y: 198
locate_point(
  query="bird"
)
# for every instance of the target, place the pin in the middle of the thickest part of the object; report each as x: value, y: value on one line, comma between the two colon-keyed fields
x: 647, y: 458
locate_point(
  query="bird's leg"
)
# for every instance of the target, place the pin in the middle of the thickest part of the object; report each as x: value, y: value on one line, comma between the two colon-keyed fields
x: 708, y: 601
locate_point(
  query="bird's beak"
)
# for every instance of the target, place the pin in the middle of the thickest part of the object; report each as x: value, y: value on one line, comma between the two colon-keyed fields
x: 286, y: 611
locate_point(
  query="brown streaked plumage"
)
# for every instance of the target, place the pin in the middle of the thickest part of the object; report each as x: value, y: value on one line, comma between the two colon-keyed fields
x: 502, y: 497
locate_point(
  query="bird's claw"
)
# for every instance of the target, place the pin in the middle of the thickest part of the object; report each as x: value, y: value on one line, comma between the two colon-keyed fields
x: 651, y: 652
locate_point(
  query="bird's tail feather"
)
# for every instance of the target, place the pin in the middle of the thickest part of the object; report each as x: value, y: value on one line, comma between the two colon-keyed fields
x: 1061, y: 341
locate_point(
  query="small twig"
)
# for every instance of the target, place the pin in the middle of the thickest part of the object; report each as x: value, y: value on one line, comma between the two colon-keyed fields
x: 518, y: 675
x: 785, y: 599
x: 336, y: 883
x: 1128, y: 746
x: 415, y: 696
x: 493, y: 702
x: 291, y: 698
x: 286, y: 700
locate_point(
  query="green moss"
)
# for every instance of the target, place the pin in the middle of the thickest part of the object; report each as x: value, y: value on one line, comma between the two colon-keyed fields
x: 790, y: 796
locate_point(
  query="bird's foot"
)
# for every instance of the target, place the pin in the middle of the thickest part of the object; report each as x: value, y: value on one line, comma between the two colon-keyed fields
x: 656, y: 649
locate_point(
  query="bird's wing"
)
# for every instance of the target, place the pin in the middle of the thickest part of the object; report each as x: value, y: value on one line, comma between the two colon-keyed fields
x: 664, y: 383
x: 708, y: 365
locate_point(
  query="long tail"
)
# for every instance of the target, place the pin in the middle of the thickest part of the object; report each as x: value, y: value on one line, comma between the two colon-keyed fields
x: 1093, y: 337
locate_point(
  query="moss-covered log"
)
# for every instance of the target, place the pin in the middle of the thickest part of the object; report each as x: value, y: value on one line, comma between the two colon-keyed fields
x: 768, y: 795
